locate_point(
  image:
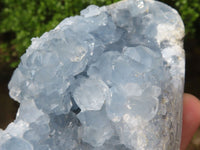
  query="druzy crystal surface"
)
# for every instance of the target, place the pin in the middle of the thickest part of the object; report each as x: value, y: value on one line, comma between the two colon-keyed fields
x: 109, y: 79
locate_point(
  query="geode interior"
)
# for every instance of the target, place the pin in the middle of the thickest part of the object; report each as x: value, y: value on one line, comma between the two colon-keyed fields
x: 109, y: 79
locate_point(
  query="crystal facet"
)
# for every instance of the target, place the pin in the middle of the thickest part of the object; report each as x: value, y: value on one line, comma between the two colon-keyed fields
x: 109, y: 79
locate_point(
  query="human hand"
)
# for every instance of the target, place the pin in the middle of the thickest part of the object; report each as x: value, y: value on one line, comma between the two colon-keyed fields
x: 191, y: 119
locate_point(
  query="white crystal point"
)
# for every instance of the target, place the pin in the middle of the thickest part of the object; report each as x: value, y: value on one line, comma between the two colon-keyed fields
x: 109, y: 79
x: 90, y: 11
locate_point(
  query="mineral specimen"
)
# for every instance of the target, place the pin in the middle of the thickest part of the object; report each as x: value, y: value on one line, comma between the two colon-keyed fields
x: 109, y: 79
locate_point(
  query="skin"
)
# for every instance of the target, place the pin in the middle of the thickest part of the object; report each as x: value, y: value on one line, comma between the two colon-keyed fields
x: 191, y: 119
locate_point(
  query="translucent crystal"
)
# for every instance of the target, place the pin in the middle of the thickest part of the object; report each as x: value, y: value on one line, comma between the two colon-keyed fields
x: 91, y: 94
x: 109, y: 79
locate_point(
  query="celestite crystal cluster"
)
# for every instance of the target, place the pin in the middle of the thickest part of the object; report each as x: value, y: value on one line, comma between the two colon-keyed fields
x: 109, y: 79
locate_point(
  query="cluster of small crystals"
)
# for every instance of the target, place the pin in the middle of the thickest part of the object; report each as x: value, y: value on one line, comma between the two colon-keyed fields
x: 109, y: 79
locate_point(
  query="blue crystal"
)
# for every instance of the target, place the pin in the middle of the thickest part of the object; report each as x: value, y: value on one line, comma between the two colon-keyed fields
x: 109, y: 79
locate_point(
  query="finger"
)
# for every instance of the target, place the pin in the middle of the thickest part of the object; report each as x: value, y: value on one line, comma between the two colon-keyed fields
x: 191, y: 118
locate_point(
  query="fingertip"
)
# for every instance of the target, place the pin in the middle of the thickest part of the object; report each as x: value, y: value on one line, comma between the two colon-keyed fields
x: 191, y: 108
x: 191, y: 118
